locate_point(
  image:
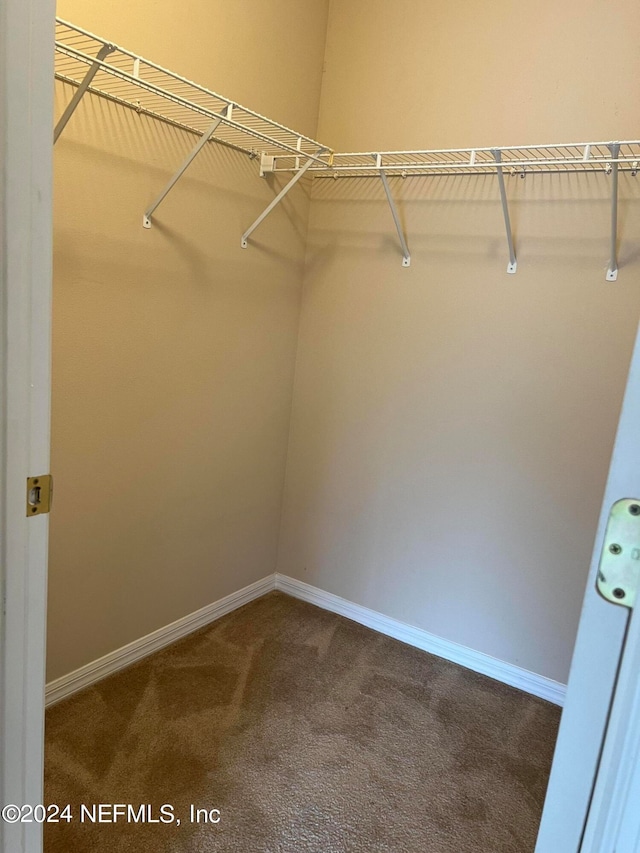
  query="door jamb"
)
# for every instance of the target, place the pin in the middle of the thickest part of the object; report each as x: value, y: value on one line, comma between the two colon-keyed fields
x: 26, y: 119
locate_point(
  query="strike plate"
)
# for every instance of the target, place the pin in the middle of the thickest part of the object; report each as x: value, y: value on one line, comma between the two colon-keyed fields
x: 619, y: 570
x: 39, y: 492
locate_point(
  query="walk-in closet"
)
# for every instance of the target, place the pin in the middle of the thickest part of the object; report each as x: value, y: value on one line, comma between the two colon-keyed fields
x: 345, y: 296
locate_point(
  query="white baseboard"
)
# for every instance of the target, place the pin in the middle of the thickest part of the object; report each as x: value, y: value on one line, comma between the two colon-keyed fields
x: 65, y: 686
x: 515, y: 676
x: 507, y: 673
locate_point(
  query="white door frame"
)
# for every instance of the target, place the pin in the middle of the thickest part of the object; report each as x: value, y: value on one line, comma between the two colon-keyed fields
x: 26, y: 121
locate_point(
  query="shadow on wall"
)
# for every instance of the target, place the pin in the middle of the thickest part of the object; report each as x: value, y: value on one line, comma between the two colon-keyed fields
x: 559, y: 218
x: 139, y: 143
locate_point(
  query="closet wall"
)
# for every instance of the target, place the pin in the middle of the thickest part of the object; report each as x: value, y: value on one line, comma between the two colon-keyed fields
x: 452, y: 424
x: 173, y: 349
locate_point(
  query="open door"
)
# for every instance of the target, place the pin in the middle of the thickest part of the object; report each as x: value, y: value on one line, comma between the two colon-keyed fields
x: 613, y: 822
x: 584, y: 772
x: 26, y: 116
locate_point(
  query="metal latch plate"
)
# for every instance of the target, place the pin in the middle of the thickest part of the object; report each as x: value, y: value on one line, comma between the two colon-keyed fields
x: 619, y: 570
x: 39, y: 491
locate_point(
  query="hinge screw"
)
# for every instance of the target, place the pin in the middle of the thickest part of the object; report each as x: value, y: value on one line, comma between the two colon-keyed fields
x: 619, y: 593
x: 634, y: 509
x: 615, y: 548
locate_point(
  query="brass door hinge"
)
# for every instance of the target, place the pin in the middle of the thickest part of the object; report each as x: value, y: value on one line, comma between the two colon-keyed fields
x: 39, y: 494
x: 619, y: 569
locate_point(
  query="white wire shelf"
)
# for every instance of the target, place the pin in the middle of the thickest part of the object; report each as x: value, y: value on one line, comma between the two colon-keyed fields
x: 92, y: 64
x: 515, y: 160
x: 135, y: 82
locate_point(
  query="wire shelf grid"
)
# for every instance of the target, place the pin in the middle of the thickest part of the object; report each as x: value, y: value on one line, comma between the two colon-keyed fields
x: 95, y: 65
x: 517, y: 160
x: 135, y: 82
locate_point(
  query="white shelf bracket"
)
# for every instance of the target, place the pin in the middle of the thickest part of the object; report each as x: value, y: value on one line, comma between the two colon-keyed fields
x: 276, y: 201
x: 612, y: 272
x: 406, y: 254
x: 206, y: 136
x: 512, y: 266
x: 104, y: 51
x: 267, y: 164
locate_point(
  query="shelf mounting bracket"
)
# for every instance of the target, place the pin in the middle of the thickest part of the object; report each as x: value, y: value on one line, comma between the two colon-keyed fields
x: 406, y: 254
x: 512, y: 266
x: 612, y: 272
x: 206, y: 136
x: 104, y: 51
x: 276, y: 201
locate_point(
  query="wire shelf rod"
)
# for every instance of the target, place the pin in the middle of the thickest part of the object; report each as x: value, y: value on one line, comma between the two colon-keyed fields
x: 477, y: 168
x: 503, y: 148
x: 253, y: 124
x: 327, y: 175
x: 507, y: 164
x: 190, y: 83
x: 96, y: 65
x: 156, y: 90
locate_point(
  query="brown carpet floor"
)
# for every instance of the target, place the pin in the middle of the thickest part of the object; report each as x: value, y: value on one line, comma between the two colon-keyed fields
x: 310, y: 734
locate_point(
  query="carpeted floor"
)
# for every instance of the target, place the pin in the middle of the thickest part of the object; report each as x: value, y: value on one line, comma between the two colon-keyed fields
x: 310, y: 734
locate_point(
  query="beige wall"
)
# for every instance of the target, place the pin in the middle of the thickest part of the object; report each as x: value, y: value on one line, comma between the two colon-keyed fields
x: 266, y: 55
x: 452, y: 424
x: 173, y: 349
x: 422, y: 74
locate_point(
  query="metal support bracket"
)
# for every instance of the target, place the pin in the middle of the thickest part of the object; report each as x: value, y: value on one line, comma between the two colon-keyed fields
x: 276, y: 201
x: 267, y: 164
x: 406, y: 254
x: 612, y: 272
x: 206, y: 136
x: 619, y: 569
x: 512, y: 266
x: 104, y: 51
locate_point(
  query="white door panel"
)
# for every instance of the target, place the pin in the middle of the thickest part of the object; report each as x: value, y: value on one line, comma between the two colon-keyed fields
x: 596, y: 657
x: 613, y: 822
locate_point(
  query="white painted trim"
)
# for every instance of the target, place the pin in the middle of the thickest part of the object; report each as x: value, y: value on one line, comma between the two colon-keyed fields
x: 121, y: 658
x: 26, y: 179
x: 507, y: 673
